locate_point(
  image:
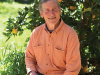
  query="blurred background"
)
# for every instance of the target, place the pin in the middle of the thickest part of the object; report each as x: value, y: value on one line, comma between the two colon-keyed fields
x: 18, y: 18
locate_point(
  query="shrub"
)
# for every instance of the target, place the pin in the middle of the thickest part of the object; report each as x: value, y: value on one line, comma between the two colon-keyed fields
x: 7, y: 1
x: 13, y: 63
x: 24, y: 1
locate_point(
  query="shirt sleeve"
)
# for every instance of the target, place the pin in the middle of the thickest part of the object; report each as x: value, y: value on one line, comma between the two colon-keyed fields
x: 30, y: 60
x: 73, y: 61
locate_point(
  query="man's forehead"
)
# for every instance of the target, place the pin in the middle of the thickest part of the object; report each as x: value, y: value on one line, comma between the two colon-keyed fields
x: 50, y: 4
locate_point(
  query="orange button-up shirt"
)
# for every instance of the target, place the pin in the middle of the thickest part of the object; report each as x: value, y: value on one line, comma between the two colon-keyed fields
x: 53, y: 54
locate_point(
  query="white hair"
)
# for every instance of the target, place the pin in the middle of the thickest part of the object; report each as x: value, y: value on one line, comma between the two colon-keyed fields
x: 43, y: 1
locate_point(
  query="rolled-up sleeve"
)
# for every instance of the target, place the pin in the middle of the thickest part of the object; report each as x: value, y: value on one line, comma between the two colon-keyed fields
x: 30, y: 60
x: 73, y: 61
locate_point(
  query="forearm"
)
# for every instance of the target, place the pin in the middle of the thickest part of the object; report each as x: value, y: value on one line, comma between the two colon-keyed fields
x: 73, y: 66
x: 30, y: 61
x: 73, y: 60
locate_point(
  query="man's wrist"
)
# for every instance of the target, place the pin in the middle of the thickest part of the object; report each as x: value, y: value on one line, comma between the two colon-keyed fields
x: 31, y: 72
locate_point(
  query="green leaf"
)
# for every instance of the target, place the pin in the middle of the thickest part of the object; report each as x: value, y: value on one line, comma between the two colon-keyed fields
x: 8, y: 38
x: 88, y: 9
x: 91, y: 36
x: 27, y: 39
x: 20, y: 33
x: 97, y: 1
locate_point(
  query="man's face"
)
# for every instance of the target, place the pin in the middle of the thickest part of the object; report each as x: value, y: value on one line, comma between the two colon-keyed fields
x: 50, y: 12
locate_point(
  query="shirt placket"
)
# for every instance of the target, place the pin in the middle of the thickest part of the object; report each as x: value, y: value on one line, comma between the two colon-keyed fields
x: 48, y: 52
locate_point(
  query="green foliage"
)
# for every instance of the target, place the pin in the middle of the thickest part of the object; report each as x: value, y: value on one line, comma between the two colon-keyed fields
x: 24, y: 1
x: 13, y: 62
x: 10, y: 1
x: 10, y: 10
x: 27, y: 19
x: 85, y: 19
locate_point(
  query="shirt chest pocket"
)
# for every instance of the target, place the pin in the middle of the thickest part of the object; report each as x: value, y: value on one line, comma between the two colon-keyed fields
x: 59, y: 56
x: 59, y: 53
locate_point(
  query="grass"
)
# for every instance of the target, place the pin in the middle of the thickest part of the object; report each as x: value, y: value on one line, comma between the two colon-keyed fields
x: 9, y: 10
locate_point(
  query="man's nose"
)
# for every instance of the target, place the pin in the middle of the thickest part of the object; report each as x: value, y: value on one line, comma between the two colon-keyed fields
x: 51, y: 12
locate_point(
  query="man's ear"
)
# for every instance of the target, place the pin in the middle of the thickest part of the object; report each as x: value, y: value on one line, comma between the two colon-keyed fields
x: 41, y: 14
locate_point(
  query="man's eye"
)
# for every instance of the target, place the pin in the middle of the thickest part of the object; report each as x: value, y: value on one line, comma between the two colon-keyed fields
x: 54, y: 9
x: 47, y: 10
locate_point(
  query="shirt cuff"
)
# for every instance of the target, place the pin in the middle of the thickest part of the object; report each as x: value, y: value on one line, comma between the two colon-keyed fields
x: 29, y: 69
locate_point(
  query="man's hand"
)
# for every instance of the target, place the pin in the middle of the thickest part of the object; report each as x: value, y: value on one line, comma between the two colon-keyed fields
x: 32, y: 73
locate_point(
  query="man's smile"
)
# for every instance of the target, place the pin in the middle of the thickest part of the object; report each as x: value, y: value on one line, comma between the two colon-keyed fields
x: 52, y: 18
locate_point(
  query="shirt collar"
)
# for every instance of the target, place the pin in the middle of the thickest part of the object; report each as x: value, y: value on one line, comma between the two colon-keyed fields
x: 57, y: 29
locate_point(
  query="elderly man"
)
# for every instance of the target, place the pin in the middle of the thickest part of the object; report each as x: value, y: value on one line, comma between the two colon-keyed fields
x: 53, y: 48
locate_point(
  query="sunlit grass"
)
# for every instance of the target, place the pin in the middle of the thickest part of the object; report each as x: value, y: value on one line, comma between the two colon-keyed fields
x: 9, y: 10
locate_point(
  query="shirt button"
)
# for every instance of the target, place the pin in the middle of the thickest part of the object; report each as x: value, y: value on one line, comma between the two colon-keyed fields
x: 46, y: 72
x: 46, y: 64
x: 48, y: 54
x: 50, y: 35
x: 48, y: 44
